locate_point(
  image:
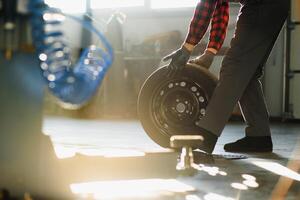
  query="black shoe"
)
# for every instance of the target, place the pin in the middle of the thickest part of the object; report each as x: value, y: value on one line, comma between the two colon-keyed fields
x: 251, y: 144
x: 209, y: 142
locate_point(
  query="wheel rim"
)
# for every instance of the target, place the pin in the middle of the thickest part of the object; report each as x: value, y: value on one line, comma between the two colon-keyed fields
x: 178, y: 105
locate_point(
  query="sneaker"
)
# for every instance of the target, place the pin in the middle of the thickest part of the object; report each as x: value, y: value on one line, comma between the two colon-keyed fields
x: 251, y: 144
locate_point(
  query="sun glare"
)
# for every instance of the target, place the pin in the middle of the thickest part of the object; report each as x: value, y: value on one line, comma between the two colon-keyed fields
x: 66, y: 152
x: 74, y: 6
x: 156, y: 4
x: 278, y: 169
x: 214, y: 196
x: 130, y: 188
x: 98, y: 4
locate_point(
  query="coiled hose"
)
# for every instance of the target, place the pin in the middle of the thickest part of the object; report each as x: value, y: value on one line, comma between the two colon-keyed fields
x: 73, y: 85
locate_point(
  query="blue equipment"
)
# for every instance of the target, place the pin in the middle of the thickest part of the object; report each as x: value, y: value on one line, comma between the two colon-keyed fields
x: 72, y: 85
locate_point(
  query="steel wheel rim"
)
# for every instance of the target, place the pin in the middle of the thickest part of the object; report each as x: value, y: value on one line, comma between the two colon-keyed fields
x: 178, y: 105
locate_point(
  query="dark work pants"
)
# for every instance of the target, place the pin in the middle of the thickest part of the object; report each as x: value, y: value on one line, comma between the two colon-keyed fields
x: 258, y: 26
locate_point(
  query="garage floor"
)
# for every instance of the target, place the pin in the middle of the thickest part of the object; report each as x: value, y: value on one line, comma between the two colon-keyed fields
x: 131, y: 166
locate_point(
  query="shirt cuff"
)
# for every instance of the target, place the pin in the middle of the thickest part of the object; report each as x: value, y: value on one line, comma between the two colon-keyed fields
x: 192, y: 40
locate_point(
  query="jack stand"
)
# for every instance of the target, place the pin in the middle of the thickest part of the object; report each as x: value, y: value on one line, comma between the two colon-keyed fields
x: 186, y: 143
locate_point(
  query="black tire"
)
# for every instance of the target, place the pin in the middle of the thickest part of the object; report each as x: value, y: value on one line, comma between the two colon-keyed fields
x: 191, y: 73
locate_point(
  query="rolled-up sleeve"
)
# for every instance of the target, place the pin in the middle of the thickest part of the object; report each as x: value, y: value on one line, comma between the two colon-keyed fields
x: 219, y: 25
x: 200, y: 21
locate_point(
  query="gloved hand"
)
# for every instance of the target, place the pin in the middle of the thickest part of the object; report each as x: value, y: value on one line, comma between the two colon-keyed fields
x: 205, y: 60
x: 179, y: 59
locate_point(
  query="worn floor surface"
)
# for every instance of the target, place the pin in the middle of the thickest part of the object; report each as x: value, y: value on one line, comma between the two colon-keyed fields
x: 134, y: 167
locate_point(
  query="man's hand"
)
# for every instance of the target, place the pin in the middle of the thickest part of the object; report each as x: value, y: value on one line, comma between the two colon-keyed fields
x: 205, y: 60
x: 179, y: 59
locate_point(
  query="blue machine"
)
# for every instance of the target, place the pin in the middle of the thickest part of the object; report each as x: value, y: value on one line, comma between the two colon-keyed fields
x: 72, y: 85
x: 27, y: 159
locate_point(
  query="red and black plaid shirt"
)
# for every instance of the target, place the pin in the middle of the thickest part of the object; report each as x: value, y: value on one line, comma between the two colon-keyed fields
x: 214, y: 11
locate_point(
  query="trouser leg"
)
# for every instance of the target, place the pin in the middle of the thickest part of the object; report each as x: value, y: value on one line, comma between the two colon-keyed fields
x: 254, y: 110
x: 257, y: 29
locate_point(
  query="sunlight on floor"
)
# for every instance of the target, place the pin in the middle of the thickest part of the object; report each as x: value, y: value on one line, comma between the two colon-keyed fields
x: 65, y: 152
x: 214, y: 196
x: 278, y: 169
x: 143, y: 188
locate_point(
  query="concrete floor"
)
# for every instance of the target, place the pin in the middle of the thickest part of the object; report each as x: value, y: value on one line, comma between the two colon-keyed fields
x: 134, y: 167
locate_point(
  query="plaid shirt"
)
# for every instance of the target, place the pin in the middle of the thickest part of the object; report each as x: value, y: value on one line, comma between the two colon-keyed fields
x: 214, y: 11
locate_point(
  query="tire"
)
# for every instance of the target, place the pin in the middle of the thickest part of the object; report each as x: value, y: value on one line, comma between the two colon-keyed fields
x: 154, y: 111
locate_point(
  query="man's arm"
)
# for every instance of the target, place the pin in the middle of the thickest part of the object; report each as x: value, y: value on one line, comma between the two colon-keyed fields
x: 200, y: 22
x: 218, y: 26
x: 217, y: 36
x: 198, y: 27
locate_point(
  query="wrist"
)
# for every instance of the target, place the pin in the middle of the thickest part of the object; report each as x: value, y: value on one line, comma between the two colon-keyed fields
x: 212, y: 50
x: 189, y: 47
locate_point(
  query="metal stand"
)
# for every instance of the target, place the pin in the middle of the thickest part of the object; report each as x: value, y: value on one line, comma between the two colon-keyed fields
x: 186, y: 165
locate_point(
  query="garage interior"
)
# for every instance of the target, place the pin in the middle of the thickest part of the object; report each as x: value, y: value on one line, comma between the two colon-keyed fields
x: 100, y: 149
